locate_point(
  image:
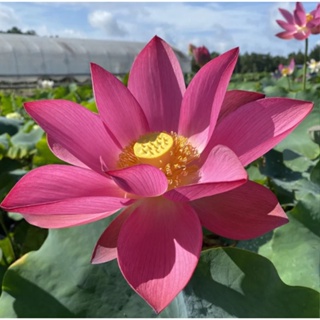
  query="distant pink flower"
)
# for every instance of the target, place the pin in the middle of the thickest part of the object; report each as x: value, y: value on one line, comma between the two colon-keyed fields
x: 296, y: 25
x: 172, y: 158
x: 287, y: 70
x: 201, y: 54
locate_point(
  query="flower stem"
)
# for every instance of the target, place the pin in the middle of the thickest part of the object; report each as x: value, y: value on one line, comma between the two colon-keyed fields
x: 304, y: 81
x: 289, y: 86
x: 3, y: 226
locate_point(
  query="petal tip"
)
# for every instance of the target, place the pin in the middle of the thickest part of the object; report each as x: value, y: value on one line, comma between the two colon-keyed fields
x: 29, y: 104
x: 156, y: 38
x: 94, y: 66
x: 234, y: 51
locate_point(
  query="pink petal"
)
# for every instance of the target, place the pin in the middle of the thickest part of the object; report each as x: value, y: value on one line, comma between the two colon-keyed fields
x: 77, y: 130
x: 75, y: 206
x: 315, y: 29
x: 157, y: 82
x: 142, y: 180
x: 302, y: 35
x: 62, y: 189
x: 203, y: 99
x: 287, y: 15
x: 314, y: 22
x: 300, y: 15
x: 292, y: 65
x: 63, y: 154
x: 243, y: 213
x: 158, y: 249
x: 117, y: 107
x: 106, y: 247
x: 316, y: 12
x: 235, y: 99
x: 53, y: 221
x: 286, y: 35
x: 255, y: 128
x: 287, y: 26
x: 222, y: 171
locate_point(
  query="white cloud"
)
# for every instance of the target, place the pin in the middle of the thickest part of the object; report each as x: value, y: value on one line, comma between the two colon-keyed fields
x: 275, y: 14
x: 217, y: 25
x: 42, y: 30
x: 8, y: 18
x: 71, y: 33
x: 211, y: 24
x: 105, y: 21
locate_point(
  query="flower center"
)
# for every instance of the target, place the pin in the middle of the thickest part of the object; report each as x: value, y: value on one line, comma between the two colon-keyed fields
x: 169, y: 152
x: 153, y: 148
x: 285, y: 71
x: 302, y: 29
x: 309, y: 17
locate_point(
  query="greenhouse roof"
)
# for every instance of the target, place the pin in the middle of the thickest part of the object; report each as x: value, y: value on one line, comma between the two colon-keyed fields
x: 26, y: 58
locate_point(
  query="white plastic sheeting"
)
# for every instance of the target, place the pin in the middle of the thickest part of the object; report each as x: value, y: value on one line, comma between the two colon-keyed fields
x: 26, y: 58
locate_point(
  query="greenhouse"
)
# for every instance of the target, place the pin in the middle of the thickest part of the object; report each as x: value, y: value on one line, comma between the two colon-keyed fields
x: 28, y: 59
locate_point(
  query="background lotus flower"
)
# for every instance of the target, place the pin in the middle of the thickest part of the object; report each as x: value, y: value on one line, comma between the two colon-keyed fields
x: 299, y: 26
x: 172, y: 158
x: 314, y: 20
x: 314, y: 66
x: 201, y: 55
x: 287, y: 70
x: 46, y: 84
x: 296, y: 24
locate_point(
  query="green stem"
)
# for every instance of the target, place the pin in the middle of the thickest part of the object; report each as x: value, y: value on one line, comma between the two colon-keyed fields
x: 304, y: 81
x: 2, y: 224
x: 289, y: 86
x: 5, y: 260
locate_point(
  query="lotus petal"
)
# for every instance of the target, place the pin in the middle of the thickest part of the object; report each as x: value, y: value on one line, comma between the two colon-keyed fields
x: 64, y: 122
x: 142, y: 180
x: 62, y: 189
x: 255, y: 128
x: 243, y: 213
x: 117, y: 107
x: 203, y: 99
x: 157, y: 82
x: 158, y: 249
x: 222, y: 171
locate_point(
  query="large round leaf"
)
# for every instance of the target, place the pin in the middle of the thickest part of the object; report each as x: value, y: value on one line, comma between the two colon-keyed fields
x: 10, y: 126
x: 299, y: 141
x: 231, y: 282
x: 294, y: 248
x: 58, y: 280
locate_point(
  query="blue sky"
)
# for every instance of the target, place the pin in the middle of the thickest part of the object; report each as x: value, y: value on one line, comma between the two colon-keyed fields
x: 218, y: 25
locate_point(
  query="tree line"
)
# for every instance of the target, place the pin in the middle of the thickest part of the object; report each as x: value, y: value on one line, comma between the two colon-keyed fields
x: 259, y: 62
x: 18, y: 31
x: 255, y: 62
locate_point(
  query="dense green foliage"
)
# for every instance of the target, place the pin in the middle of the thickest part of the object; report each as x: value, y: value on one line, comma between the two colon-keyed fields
x: 16, y: 30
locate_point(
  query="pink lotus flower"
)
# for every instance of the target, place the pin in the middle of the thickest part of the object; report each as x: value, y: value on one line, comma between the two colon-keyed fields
x: 201, y: 55
x: 287, y: 70
x: 172, y: 158
x: 297, y: 25
x: 314, y: 20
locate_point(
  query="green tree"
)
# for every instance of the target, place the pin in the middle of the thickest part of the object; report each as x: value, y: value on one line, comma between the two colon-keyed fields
x: 16, y: 30
x: 315, y: 53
